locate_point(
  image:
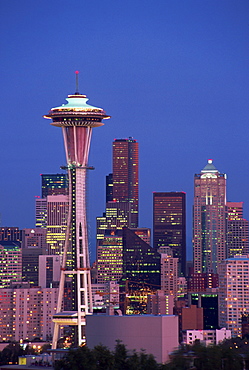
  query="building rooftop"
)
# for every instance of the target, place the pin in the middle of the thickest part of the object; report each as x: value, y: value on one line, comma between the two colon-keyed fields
x: 239, y: 257
x: 209, y: 167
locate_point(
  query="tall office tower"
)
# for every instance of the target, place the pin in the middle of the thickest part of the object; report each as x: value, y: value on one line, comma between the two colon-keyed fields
x: 109, y: 188
x: 233, y: 292
x: 110, y: 257
x: 169, y: 224
x: 237, y: 230
x: 10, y: 263
x: 41, y: 212
x: 57, y: 214
x: 209, y: 229
x: 125, y: 175
x: 169, y: 272
x: 141, y: 273
x: 109, y: 244
x: 54, y: 184
x: 116, y: 216
x: 141, y: 261
x: 34, y: 245
x: 76, y: 118
x: 51, y: 215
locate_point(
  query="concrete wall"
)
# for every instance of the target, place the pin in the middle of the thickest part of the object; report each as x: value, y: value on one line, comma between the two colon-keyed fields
x: 157, y: 335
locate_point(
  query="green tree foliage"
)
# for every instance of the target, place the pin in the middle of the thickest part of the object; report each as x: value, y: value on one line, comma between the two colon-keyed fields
x: 101, y: 358
x: 77, y: 359
x: 11, y: 353
x: 230, y: 355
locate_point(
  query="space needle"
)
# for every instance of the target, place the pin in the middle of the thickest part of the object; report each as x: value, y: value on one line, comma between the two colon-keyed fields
x: 77, y: 119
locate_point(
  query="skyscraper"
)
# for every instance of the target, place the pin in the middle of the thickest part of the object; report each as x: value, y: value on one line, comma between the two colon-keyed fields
x: 52, y: 210
x: 233, y: 292
x: 209, y: 227
x: 109, y: 188
x: 34, y: 245
x: 169, y: 224
x: 237, y: 230
x: 76, y: 118
x: 110, y: 257
x: 10, y: 263
x: 54, y: 184
x: 141, y: 272
x: 116, y: 216
x: 41, y: 212
x: 57, y: 213
x: 169, y: 271
x: 125, y: 175
x: 109, y: 245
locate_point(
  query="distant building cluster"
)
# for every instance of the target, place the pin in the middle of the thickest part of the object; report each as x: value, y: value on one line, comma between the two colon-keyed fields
x: 135, y: 273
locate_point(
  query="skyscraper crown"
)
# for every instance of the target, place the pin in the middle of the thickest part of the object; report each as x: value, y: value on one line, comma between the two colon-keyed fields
x: 209, y: 167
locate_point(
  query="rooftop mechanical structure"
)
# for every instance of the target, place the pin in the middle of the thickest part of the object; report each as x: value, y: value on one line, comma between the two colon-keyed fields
x: 77, y: 119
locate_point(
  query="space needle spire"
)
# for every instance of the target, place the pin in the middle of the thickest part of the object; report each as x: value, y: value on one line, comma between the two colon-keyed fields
x: 77, y: 119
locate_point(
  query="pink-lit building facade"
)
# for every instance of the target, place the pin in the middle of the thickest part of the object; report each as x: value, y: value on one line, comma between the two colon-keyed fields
x: 125, y: 175
x: 26, y: 313
x: 209, y: 219
x: 237, y: 230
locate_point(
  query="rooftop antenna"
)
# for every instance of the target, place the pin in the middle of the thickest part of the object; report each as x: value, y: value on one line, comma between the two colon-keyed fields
x: 77, y: 82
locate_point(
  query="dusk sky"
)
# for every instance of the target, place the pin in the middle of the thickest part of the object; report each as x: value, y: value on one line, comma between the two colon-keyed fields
x: 173, y: 74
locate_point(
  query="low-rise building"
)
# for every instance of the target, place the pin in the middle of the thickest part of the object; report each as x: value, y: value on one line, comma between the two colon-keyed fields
x: 157, y: 335
x: 206, y: 336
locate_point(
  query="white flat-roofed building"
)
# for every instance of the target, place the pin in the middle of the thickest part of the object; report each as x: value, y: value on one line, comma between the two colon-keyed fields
x: 206, y: 336
x: 157, y: 335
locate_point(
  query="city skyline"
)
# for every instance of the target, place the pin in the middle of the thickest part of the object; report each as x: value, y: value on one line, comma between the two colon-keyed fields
x: 173, y: 76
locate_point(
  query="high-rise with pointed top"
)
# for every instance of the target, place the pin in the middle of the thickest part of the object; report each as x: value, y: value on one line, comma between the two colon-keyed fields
x: 209, y: 219
x: 77, y: 119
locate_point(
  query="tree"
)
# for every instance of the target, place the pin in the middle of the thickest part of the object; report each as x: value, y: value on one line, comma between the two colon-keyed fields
x: 77, y: 359
x: 11, y: 353
x: 104, y: 358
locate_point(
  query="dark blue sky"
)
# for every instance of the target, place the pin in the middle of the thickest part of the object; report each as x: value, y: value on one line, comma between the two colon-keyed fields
x: 172, y: 74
